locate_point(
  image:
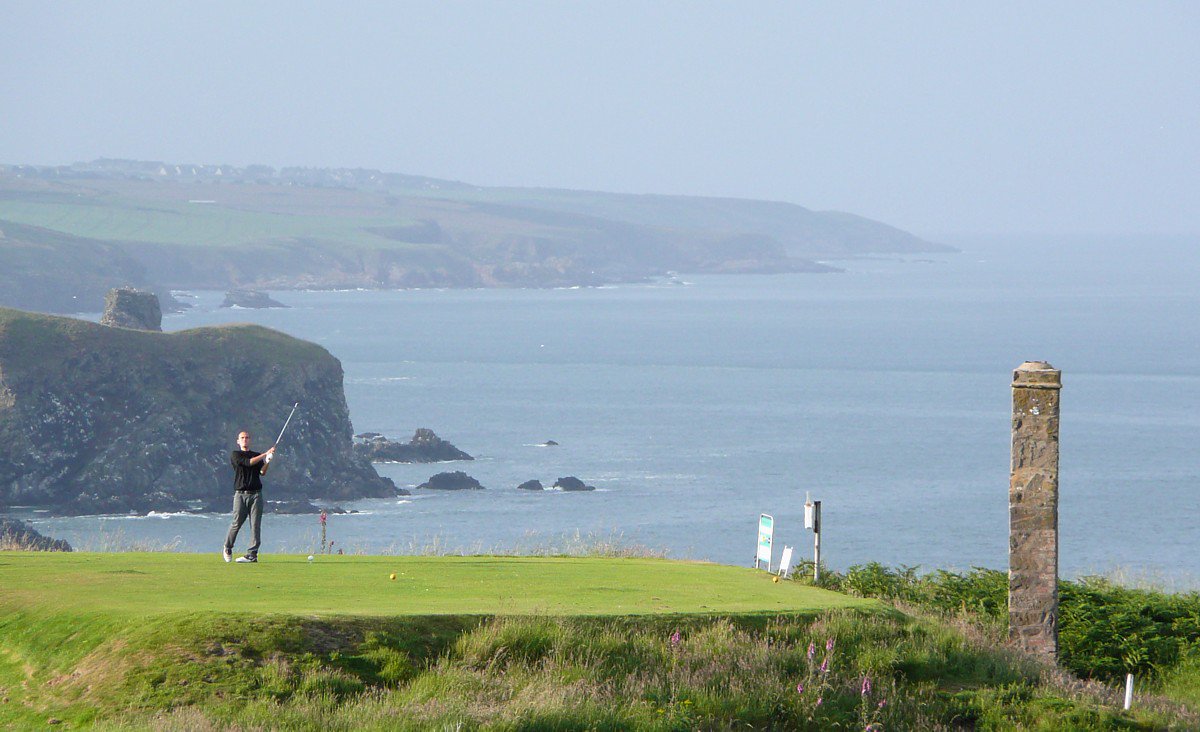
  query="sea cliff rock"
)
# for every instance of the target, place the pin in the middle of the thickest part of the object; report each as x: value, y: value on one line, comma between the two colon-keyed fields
x: 251, y: 299
x: 108, y: 420
x: 571, y: 483
x: 531, y: 485
x: 456, y: 481
x: 125, y: 307
x: 424, y: 447
x: 21, y: 536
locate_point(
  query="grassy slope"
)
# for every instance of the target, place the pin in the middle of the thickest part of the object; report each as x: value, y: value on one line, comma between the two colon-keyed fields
x: 142, y: 584
x: 181, y: 223
x: 34, y: 341
x: 137, y: 641
x: 82, y: 635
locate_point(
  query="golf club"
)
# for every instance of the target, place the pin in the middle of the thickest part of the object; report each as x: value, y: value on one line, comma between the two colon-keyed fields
x: 267, y: 462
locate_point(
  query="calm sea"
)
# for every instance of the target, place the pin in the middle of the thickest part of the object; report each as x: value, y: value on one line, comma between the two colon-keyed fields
x: 696, y: 405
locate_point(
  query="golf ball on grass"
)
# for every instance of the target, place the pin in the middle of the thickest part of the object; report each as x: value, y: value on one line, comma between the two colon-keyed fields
x: 393, y: 575
x: 310, y: 557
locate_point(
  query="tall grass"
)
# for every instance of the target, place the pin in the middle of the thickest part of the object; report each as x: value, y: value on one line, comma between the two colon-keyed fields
x: 838, y: 671
x: 1105, y: 630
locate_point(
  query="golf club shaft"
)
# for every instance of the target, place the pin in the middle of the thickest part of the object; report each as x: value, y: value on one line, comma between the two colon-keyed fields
x: 285, y: 424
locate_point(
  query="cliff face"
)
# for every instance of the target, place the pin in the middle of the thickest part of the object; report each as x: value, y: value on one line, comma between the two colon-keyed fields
x: 96, y: 419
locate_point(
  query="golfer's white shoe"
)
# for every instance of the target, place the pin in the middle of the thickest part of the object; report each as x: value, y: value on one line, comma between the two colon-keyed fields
x: 227, y: 555
x: 247, y: 559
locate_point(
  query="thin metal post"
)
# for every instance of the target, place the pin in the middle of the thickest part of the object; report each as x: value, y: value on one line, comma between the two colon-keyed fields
x: 816, y: 541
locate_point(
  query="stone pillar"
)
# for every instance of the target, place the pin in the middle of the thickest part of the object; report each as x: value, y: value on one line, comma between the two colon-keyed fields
x: 1033, y: 510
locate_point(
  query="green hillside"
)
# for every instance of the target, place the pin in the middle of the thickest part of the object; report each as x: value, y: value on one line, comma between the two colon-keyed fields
x: 183, y: 642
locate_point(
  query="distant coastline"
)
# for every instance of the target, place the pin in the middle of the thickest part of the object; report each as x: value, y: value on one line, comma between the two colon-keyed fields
x: 71, y: 233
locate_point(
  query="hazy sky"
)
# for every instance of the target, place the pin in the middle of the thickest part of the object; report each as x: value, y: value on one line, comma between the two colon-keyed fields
x: 940, y: 118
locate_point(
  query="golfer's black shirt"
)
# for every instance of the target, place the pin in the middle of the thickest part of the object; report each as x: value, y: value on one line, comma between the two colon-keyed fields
x: 245, y: 475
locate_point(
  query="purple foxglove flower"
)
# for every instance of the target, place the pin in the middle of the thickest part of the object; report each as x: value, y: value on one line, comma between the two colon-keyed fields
x: 812, y: 650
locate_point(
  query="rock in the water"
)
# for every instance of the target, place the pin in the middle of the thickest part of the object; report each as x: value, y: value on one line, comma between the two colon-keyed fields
x: 252, y: 299
x: 111, y: 420
x: 531, y: 485
x: 125, y: 307
x: 571, y: 483
x: 424, y: 447
x: 549, y: 443
x: 20, y: 536
x: 456, y: 481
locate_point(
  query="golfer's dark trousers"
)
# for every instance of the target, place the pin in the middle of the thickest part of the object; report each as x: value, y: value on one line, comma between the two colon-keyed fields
x: 246, y: 503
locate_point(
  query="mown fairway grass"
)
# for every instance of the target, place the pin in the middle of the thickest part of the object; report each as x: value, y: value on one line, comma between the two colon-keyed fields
x: 179, y: 641
x: 151, y: 583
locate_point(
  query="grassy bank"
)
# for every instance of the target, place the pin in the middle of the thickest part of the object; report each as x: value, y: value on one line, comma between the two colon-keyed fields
x: 176, y: 641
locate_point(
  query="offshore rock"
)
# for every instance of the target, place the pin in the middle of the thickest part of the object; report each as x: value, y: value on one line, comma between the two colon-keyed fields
x: 125, y: 307
x: 110, y: 420
x: 251, y: 299
x: 456, y: 481
x: 21, y: 536
x: 531, y: 485
x: 571, y: 483
x: 424, y: 447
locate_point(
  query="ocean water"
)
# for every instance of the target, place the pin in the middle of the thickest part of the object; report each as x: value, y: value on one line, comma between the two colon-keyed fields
x: 695, y: 405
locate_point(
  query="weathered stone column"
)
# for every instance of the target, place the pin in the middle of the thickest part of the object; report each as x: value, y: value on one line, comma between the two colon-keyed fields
x: 1033, y: 510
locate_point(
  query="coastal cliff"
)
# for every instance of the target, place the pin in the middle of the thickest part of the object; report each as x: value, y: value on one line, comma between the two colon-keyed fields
x: 96, y: 419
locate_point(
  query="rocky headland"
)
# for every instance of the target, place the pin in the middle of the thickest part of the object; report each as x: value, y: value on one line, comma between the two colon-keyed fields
x: 424, y: 447
x: 97, y: 419
x: 127, y: 307
x: 20, y: 536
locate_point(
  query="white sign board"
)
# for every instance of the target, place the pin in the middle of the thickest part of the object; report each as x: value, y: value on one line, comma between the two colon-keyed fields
x: 766, y: 527
x: 785, y: 562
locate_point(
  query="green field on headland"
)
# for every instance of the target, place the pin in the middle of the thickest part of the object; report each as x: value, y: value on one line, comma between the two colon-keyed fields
x: 179, y: 641
x: 153, y: 583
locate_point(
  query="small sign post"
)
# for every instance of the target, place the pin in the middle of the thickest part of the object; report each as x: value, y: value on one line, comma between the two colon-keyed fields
x: 812, y: 520
x: 766, y: 527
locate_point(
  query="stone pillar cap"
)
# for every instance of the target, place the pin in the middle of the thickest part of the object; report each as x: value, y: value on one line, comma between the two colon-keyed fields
x: 1038, y: 375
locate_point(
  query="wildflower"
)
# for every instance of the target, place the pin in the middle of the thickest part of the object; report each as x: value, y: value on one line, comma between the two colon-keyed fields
x: 819, y: 700
x: 324, y: 517
x: 800, y: 688
x: 866, y: 685
x: 676, y: 638
x: 829, y: 645
x: 882, y: 703
x: 812, y: 650
x: 824, y: 665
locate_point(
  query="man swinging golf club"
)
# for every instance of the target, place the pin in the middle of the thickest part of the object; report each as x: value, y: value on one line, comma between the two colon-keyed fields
x: 248, y: 465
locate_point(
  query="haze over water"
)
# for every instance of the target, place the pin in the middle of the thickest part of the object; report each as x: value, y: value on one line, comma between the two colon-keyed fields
x: 883, y: 391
